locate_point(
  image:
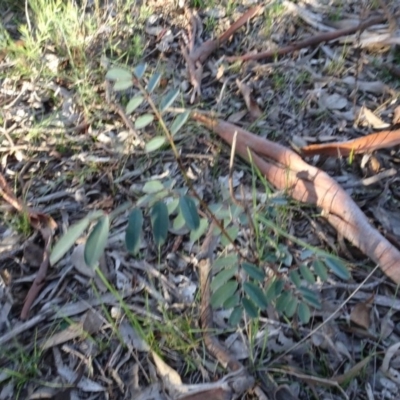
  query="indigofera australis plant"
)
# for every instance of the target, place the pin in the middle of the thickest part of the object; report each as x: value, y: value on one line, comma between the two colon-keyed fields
x: 288, y: 171
x: 172, y: 208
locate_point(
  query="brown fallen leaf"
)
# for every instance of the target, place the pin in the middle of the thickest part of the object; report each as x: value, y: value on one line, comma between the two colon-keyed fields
x: 309, y: 184
x: 251, y: 104
x: 360, y: 314
x: 368, y: 118
x: 369, y: 143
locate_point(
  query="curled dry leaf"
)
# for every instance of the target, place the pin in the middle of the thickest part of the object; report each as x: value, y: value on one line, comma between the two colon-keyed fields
x: 374, y: 141
x: 309, y: 184
x: 368, y: 118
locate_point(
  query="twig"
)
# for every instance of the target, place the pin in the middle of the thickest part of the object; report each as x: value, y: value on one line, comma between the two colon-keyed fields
x: 312, y: 41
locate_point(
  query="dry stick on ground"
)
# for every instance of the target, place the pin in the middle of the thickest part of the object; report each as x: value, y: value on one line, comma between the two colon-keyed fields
x: 312, y: 41
x: 46, y: 226
x: 195, y: 57
x: 216, y: 349
x: 309, y: 184
x: 365, y: 144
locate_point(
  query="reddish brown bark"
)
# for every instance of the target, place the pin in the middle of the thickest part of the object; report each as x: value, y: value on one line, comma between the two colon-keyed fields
x: 364, y: 144
x: 306, y: 183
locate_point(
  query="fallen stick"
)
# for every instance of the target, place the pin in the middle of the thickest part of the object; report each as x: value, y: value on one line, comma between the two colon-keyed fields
x: 312, y: 41
x: 369, y: 143
x: 309, y: 184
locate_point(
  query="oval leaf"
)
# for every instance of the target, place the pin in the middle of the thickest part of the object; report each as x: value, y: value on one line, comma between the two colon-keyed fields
x: 143, y: 121
x: 119, y: 74
x: 133, y: 231
x: 291, y: 306
x: 172, y: 206
x: 153, y: 187
x: 155, y: 144
x: 280, y: 303
x: 320, y: 270
x: 168, y: 99
x: 310, y: 297
x: 232, y: 301
x: 179, y: 222
x: 122, y: 85
x: 159, y: 222
x: 253, y: 271
x: 338, y: 268
x: 179, y: 121
x: 153, y: 82
x: 236, y: 316
x: 200, y: 231
x: 274, y: 289
x: 250, y: 308
x: 140, y: 70
x: 133, y: 104
x: 68, y: 239
x: 307, y: 274
x: 96, y: 242
x: 256, y: 294
x: 233, y: 232
x: 225, y: 261
x: 189, y: 212
x: 223, y: 293
x: 222, y: 277
x: 295, y: 278
x: 304, y: 313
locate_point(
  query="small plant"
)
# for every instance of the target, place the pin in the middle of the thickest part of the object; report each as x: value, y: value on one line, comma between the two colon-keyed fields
x: 238, y: 284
